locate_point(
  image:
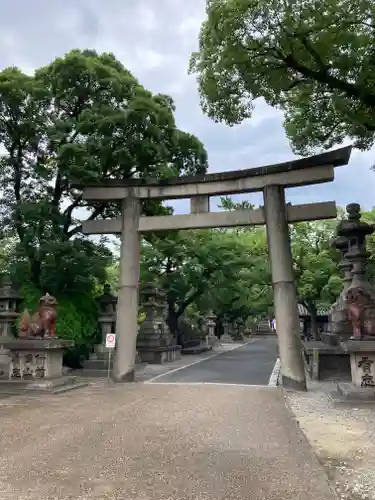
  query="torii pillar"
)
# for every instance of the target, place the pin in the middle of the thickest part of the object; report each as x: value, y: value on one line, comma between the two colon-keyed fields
x: 284, y: 290
x: 127, y: 301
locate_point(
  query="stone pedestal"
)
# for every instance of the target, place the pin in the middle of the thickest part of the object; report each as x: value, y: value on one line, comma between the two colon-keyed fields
x: 362, y: 362
x: 154, y: 341
x: 36, y: 364
x: 362, y: 367
x: 155, y: 355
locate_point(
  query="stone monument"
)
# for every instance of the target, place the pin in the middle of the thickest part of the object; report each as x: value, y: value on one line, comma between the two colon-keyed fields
x: 36, y: 356
x: 154, y: 342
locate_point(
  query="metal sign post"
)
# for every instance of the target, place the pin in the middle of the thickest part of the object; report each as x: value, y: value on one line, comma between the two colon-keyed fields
x: 110, y: 343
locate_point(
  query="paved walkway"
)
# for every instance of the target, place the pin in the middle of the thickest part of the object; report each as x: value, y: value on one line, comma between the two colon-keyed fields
x: 249, y: 364
x: 155, y: 441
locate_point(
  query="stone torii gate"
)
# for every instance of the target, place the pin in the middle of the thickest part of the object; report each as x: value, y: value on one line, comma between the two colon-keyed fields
x: 272, y: 180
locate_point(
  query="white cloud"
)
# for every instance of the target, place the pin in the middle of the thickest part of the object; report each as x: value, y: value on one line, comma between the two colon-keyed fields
x: 146, y: 18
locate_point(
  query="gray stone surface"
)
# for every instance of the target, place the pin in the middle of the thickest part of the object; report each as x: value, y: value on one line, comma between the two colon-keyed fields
x: 248, y: 364
x: 284, y: 289
x: 157, y: 442
x: 354, y: 393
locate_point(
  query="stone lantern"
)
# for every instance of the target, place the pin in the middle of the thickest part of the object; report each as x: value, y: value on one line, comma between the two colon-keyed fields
x: 339, y: 326
x: 226, y: 338
x: 360, y: 297
x: 10, y: 300
x: 9, y: 303
x: 360, y: 294
x: 154, y: 339
x: 210, y: 327
x: 356, y: 232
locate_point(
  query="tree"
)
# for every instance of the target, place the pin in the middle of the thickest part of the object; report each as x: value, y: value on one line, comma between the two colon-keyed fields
x: 245, y: 290
x: 81, y: 119
x: 315, y: 265
x: 313, y: 60
x: 221, y: 270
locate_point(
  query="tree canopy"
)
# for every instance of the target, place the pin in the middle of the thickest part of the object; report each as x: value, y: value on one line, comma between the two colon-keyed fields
x: 312, y: 59
x: 83, y: 118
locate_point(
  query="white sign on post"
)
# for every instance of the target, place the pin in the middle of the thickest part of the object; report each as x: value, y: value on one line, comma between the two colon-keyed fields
x: 110, y: 343
x: 110, y: 340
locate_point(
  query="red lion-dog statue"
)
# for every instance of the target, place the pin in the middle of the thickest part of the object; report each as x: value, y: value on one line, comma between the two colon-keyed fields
x: 361, y: 313
x: 43, y: 322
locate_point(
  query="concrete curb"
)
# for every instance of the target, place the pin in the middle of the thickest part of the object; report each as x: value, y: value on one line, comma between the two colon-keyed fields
x: 274, y: 378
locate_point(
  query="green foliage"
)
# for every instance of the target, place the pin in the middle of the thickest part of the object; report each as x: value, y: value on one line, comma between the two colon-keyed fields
x: 243, y: 287
x: 315, y: 264
x: 312, y: 59
x: 82, y: 119
x: 67, y: 268
x: 369, y: 217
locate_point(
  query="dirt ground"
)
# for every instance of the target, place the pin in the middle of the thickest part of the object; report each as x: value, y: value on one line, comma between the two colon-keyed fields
x: 342, y: 436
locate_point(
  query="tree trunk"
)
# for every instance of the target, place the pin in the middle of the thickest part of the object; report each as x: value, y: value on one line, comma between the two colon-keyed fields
x: 172, y: 322
x: 36, y: 269
x: 314, y: 323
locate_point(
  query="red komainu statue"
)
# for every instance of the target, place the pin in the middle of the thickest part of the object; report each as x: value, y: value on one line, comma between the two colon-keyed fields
x: 43, y: 322
x: 361, y: 312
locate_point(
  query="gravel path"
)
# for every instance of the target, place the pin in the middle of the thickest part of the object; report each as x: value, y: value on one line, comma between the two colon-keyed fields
x: 149, y: 441
x: 343, y: 437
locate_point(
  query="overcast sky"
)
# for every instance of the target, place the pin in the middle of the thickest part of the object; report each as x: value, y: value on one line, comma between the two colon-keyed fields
x: 154, y: 39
